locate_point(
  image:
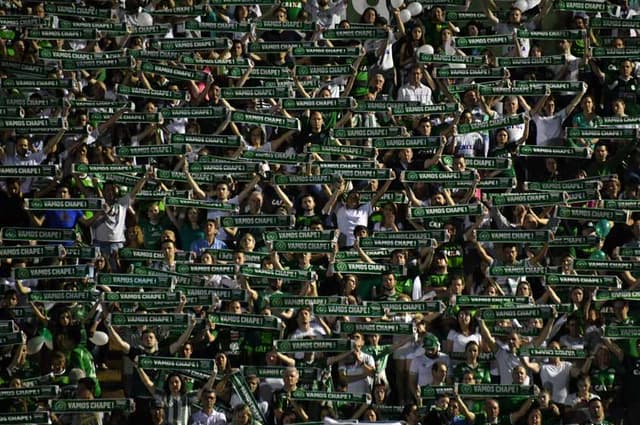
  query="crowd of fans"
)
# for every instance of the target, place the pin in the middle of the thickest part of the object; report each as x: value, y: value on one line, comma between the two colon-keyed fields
x: 276, y: 214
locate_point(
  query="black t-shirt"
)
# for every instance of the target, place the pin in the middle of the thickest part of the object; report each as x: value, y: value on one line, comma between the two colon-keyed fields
x: 138, y: 389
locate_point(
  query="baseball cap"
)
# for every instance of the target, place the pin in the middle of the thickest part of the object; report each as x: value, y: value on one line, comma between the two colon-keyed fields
x: 430, y: 342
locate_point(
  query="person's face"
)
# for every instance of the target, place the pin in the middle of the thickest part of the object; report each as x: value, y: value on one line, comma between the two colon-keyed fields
x: 514, y: 341
x: 169, y: 249
x: 596, y: 410
x: 236, y: 49
x: 416, y: 33
x: 416, y: 76
x: 577, y: 295
x: 304, y: 317
x: 208, y: 400
x: 316, y: 121
x: 424, y: 128
x: 222, y: 191
x: 350, y: 283
x: 473, y: 30
x: 440, y: 373
x: 370, y: 415
x: 308, y: 203
x: 255, y: 201
x: 187, y: 350
x: 618, y: 108
x: 242, y: 416
x: 466, y: 118
x: 153, y: 212
x: 65, y: 318
x: 58, y: 366
x: 626, y: 68
x: 587, y: 104
x: 472, y: 351
x: 353, y: 200
x: 536, y: 52
x: 534, y: 418
x: 369, y: 16
x: 235, y: 307
x: 389, y: 281
x: 149, y: 340
x: 175, y: 384
x: 248, y: 242
x: 492, y: 409
x: 291, y: 378
x: 22, y: 147
x: 601, y: 153
x: 519, y: 376
x: 377, y: 82
x: 358, y: 340
x: 459, y: 164
x: 253, y: 384
x: 510, y: 254
x: 524, y: 290
x: 438, y: 14
x: 464, y: 318
x: 456, y: 287
x: 515, y: 16
x: 510, y: 106
x: 406, y: 155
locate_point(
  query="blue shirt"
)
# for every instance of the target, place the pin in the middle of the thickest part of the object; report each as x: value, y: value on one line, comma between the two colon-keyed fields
x: 200, y: 245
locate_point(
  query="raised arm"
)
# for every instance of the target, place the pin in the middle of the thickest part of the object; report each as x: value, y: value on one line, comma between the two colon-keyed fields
x: 486, y: 335
x: 376, y: 197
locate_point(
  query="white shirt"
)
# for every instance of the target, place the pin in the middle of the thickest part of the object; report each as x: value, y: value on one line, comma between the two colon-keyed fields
x: 419, y: 93
x: 349, y: 218
x: 364, y: 385
x: 201, y: 418
x: 111, y: 228
x: 558, y: 376
x: 549, y: 128
x: 421, y: 367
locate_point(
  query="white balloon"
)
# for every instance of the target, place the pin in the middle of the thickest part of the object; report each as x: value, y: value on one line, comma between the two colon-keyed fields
x: 427, y: 49
x: 34, y: 345
x: 396, y: 3
x: 415, y: 8
x: 99, y: 338
x: 405, y: 16
x: 522, y: 5
x: 144, y: 19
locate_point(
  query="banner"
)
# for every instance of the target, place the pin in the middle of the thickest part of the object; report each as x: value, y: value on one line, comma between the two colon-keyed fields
x: 548, y: 352
x: 446, y: 59
x: 276, y: 157
x: 511, y: 91
x: 306, y: 373
x: 125, y: 62
x: 514, y: 236
x: 262, y: 72
x: 133, y: 280
x: 296, y: 180
x: 148, y: 254
x: 273, y: 47
x: 617, y: 266
x: 253, y: 321
x: 434, y: 391
x: 516, y: 271
x: 349, y: 150
x: 318, y: 103
x: 263, y: 220
x: 108, y: 168
x: 265, y: 119
x: 445, y: 211
x: 228, y: 255
x: 241, y: 388
x: 159, y: 55
x: 38, y: 234
x: 496, y: 163
x: 552, y: 35
x: 310, y: 235
x: 61, y: 34
x: 207, y: 269
x: 491, y: 124
x: 366, y: 132
x: 351, y: 310
x: 24, y: 171
x: 470, y: 72
x: 371, y: 242
x: 370, y: 33
x: 335, y: 397
x: 408, y: 306
x: 46, y: 391
x: 193, y: 112
x: 217, y: 26
x: 561, y: 186
x: 487, y: 300
x: 527, y: 62
x: 142, y: 297
x: 555, y: 151
x: 174, y: 73
x: 298, y: 275
x: 255, y: 92
x: 31, y: 251
x: 566, y: 86
x: 219, y: 166
x: 53, y: 272
x: 583, y: 280
x: 608, y: 295
x: 63, y: 296
x: 304, y: 246
x: 313, y: 345
x: 14, y: 68
x: 603, y: 133
x: 59, y: 204
x: 90, y: 406
x: 324, y: 70
x: 76, y: 10
x: 365, y: 268
x: 494, y: 390
x: 284, y: 301
x: 191, y: 44
x: 533, y: 199
x: 196, y: 203
x: 159, y: 195
x: 207, y: 139
x: 52, y: 124
x: 626, y: 252
x: 198, y: 10
x: 156, y: 319
x: 328, y: 52
x: 622, y: 332
x: 614, y: 52
x: 152, y: 93
x: 482, y: 41
x: 520, y: 312
x: 437, y: 176
x: 569, y: 213
x: 25, y: 418
x: 592, y: 6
